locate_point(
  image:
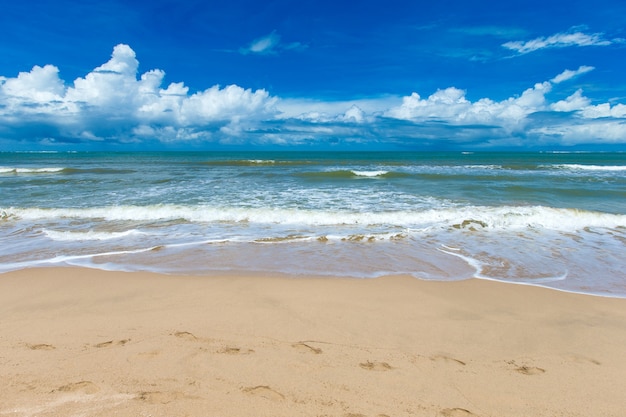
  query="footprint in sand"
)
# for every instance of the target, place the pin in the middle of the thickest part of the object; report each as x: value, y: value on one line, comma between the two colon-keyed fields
x: 306, y: 347
x: 185, y: 335
x: 149, y: 354
x: 264, y: 391
x: 376, y: 366
x: 530, y: 370
x: 527, y: 370
x: 583, y: 359
x: 230, y: 350
x: 86, y: 387
x: 447, y: 359
x: 111, y: 343
x: 158, y: 397
x: 456, y: 412
x: 41, y: 346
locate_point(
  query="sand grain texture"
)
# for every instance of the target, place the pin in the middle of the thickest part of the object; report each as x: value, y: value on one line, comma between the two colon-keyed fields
x: 77, y: 342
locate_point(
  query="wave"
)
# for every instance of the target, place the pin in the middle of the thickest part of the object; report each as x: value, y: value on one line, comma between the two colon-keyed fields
x: 255, y: 162
x: 353, y: 174
x: 468, y: 218
x: 581, y: 167
x: 370, y: 174
x: 35, y: 152
x: 72, y: 260
x: 68, y: 236
x: 478, y: 266
x: 358, y: 237
x: 18, y: 170
x: 98, y: 171
x: 63, y: 170
x: 486, y: 166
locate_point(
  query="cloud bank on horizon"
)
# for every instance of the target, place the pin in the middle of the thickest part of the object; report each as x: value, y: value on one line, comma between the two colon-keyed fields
x: 116, y: 105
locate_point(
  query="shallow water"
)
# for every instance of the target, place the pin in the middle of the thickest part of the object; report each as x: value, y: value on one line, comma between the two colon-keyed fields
x: 550, y: 219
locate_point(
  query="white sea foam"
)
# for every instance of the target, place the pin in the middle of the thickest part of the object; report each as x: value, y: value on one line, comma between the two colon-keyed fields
x: 479, y: 266
x: 18, y: 170
x: 488, y: 167
x: 580, y: 167
x: 335, y: 215
x: 262, y: 161
x: 476, y: 265
x: 66, y: 259
x: 477, y: 217
x: 68, y: 236
x: 41, y: 152
x: 370, y: 174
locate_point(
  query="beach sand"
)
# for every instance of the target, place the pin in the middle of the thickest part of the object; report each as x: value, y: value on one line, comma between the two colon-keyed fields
x: 79, y: 342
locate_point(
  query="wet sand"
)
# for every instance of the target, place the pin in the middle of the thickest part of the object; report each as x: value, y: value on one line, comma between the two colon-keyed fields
x: 79, y: 342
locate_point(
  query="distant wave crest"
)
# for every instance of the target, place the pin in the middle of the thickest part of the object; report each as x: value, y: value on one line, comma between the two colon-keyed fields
x: 581, y: 167
x: 18, y: 170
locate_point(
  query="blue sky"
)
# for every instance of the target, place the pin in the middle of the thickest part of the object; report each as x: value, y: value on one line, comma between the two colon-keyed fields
x: 313, y: 75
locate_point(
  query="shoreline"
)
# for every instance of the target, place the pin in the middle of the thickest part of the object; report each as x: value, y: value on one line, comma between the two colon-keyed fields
x: 85, y: 341
x: 290, y: 275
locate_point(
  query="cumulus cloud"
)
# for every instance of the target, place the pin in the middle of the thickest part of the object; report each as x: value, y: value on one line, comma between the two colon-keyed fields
x: 604, y: 110
x: 115, y: 103
x: 111, y: 102
x: 530, y: 115
x: 40, y: 85
x: 605, y: 131
x: 451, y: 106
x: 354, y: 114
x: 572, y: 103
x: 559, y: 40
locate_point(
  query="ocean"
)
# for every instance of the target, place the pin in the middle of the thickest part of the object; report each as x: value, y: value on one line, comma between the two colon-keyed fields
x: 549, y: 219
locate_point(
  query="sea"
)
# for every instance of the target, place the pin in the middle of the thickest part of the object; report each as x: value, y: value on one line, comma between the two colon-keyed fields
x: 551, y: 219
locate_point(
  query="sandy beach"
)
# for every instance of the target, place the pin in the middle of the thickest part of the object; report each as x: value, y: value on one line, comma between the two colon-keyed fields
x: 79, y: 342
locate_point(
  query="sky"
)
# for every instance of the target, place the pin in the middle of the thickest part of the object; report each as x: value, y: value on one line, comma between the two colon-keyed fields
x: 277, y: 74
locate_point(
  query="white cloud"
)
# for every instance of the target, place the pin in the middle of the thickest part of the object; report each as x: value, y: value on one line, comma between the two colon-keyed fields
x: 559, y: 40
x: 40, y: 85
x: 451, y: 105
x: 333, y: 113
x: 111, y: 97
x: 113, y: 84
x: 604, y: 110
x: 264, y: 45
x: 572, y: 103
x: 595, y: 132
x: 585, y: 110
x: 328, y: 111
x: 270, y: 45
x: 116, y: 103
x: 569, y: 74
x: 527, y: 115
x: 354, y: 114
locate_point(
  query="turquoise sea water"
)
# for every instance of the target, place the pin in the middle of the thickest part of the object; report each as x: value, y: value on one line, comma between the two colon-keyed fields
x: 550, y: 219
